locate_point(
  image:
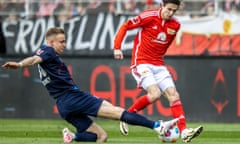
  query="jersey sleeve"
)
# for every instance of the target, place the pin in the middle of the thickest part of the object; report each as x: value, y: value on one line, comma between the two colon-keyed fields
x: 132, y: 23
x: 46, y: 53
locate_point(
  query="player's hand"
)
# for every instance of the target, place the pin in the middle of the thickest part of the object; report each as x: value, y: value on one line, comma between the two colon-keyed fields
x: 118, y: 54
x: 11, y: 65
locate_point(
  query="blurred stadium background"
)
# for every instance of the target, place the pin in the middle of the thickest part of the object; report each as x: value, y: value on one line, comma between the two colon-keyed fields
x: 203, y: 59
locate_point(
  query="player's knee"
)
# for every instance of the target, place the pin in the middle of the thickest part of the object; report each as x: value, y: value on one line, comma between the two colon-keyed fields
x: 174, y: 97
x: 154, y: 94
x: 102, y: 137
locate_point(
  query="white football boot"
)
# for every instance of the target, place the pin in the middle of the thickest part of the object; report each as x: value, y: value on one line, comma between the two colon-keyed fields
x: 123, y: 128
x: 67, y: 135
x: 189, y: 133
x: 161, y: 130
x: 165, y: 126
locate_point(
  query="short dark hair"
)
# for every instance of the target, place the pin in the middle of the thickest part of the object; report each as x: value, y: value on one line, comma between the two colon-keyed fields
x: 54, y: 31
x: 177, y: 2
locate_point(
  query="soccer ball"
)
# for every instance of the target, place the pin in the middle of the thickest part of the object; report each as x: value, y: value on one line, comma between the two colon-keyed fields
x: 171, y: 136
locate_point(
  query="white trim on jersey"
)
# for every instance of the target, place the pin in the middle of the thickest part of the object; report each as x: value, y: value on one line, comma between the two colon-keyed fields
x: 148, y: 14
x: 137, y: 48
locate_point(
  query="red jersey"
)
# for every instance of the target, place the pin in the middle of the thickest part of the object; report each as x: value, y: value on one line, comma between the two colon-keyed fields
x: 153, y: 38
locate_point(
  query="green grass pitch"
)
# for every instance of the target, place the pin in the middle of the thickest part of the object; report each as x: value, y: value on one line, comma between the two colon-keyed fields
x: 25, y: 131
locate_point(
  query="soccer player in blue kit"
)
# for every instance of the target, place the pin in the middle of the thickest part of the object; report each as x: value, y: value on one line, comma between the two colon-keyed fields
x: 74, y: 105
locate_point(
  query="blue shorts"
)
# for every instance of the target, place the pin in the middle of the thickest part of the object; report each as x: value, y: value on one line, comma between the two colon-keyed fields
x: 76, y: 106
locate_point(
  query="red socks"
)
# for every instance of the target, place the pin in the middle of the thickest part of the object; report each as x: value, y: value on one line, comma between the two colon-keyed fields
x: 140, y: 104
x: 177, y: 111
x: 176, y: 108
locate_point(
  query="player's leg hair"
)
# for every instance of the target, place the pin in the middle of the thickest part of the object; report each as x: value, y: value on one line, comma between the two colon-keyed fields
x: 171, y: 94
x: 154, y: 92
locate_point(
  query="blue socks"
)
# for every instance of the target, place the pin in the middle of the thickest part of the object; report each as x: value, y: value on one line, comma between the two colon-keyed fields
x: 85, y: 137
x: 136, y: 119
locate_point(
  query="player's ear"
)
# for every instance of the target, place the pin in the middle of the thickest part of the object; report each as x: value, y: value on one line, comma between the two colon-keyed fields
x: 49, y: 42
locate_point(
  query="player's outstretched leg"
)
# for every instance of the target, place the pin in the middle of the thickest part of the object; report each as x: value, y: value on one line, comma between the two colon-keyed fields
x: 165, y: 126
x: 189, y: 133
x: 161, y: 129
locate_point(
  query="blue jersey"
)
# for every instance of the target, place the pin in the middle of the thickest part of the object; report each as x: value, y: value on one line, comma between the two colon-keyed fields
x: 53, y: 72
x: 73, y: 104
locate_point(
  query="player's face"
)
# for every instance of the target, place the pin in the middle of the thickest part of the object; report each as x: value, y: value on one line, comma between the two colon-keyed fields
x: 168, y: 11
x: 59, y: 43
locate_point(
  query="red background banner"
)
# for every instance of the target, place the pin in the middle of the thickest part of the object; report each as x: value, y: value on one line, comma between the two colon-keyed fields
x: 209, y: 87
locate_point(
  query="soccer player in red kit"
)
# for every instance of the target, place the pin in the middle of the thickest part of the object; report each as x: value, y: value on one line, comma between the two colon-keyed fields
x: 157, y: 30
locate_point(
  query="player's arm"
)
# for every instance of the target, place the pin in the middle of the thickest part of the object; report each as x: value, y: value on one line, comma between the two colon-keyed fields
x: 118, y: 41
x: 130, y: 24
x: 27, y: 62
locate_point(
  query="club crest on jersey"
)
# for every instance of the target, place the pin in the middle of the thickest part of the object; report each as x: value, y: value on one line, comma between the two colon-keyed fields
x: 145, y: 72
x: 171, y: 31
x: 39, y: 52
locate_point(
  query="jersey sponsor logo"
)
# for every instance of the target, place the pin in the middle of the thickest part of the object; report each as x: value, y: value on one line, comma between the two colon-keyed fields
x: 161, y: 38
x: 171, y: 31
x: 39, y: 52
